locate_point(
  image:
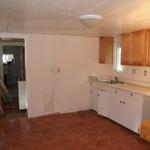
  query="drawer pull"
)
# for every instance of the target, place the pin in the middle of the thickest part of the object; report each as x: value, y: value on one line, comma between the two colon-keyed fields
x: 120, y: 101
x: 123, y: 102
x: 97, y: 94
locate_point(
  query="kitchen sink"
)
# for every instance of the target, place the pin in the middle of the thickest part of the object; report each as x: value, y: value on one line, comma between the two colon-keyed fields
x: 111, y: 81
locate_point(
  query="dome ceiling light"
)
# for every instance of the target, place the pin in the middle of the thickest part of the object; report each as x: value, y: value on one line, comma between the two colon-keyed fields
x: 90, y: 20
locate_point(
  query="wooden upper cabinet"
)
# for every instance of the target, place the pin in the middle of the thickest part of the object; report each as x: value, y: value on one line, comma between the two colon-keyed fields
x: 133, y: 48
x: 138, y: 45
x: 125, y: 49
x: 106, y: 50
x: 148, y: 48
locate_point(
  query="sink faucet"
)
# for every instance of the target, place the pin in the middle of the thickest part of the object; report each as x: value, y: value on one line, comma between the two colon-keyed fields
x: 109, y: 80
x: 116, y: 79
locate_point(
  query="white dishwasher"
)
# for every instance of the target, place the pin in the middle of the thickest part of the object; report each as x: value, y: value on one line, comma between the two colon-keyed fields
x: 103, y: 103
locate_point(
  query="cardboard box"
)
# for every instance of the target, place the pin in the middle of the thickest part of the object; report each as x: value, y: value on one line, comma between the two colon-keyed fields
x: 145, y: 130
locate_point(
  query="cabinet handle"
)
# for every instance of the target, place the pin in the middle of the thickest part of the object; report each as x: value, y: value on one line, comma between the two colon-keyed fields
x: 97, y: 94
x: 131, y: 94
x: 120, y: 101
x: 123, y: 102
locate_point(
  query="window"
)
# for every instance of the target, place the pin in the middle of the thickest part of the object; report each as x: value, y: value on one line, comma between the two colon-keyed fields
x: 117, y: 57
x: 7, y: 58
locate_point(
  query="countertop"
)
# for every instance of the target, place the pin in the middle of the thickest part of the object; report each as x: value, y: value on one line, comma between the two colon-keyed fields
x: 133, y: 88
x: 130, y: 87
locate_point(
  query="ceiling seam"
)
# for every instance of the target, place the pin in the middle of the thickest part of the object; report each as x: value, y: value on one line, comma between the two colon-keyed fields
x: 99, y: 5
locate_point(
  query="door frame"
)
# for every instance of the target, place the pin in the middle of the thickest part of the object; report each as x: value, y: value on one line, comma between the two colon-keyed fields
x: 21, y: 36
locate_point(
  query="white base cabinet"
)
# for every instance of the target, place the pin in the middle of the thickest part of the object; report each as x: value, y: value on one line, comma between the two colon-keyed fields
x: 133, y: 113
x: 127, y: 109
x: 93, y: 98
x: 103, y: 103
x: 124, y: 107
x: 115, y: 107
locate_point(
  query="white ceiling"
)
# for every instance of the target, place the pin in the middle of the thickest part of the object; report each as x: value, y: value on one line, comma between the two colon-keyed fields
x: 61, y: 16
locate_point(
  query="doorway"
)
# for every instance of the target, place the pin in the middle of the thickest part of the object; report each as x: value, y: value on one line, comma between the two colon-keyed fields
x: 13, y: 77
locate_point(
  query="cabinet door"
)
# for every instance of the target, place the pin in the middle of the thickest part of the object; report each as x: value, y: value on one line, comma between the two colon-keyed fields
x: 102, y: 47
x: 133, y: 113
x: 103, y: 103
x: 148, y: 48
x: 91, y: 95
x: 93, y: 98
x: 106, y: 50
x: 126, y: 49
x: 138, y: 51
x: 134, y: 46
x: 116, y: 107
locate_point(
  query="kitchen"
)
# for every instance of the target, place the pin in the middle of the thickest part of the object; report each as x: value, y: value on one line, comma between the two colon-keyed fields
x: 62, y: 54
x: 121, y: 98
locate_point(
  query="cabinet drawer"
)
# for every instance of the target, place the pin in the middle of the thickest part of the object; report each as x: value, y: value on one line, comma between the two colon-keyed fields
x: 134, y: 95
x: 126, y: 93
x: 119, y: 91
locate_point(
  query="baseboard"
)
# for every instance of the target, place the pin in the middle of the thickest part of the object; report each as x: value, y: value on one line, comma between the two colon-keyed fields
x: 74, y: 110
x: 58, y: 112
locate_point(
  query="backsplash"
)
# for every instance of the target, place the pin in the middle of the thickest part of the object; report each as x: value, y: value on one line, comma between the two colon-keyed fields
x: 134, y: 74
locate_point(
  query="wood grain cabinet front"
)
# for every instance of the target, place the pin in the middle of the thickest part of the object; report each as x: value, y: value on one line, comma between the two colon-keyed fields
x: 106, y: 50
x: 138, y: 45
x: 134, y: 47
x: 148, y: 47
x: 126, y: 49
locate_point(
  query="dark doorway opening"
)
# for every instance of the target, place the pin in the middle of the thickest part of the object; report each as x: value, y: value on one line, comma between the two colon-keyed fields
x: 13, y: 57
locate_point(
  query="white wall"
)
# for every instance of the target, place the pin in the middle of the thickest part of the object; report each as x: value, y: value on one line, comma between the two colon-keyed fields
x: 49, y: 91
x: 68, y: 90
x: 77, y: 58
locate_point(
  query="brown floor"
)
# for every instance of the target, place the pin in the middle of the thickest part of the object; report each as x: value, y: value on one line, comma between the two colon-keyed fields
x: 75, y: 131
x: 12, y: 109
x: 14, y: 114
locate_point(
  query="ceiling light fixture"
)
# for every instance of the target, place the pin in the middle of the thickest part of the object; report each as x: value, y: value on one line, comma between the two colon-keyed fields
x: 90, y: 20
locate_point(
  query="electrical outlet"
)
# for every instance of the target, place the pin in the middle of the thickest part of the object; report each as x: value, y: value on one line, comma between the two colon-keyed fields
x: 134, y: 71
x: 145, y: 72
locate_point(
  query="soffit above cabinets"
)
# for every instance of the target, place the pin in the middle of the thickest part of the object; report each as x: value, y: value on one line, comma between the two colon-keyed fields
x: 61, y: 16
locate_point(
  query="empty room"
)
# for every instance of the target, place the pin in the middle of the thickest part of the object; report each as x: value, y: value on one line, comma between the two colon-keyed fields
x: 75, y: 75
